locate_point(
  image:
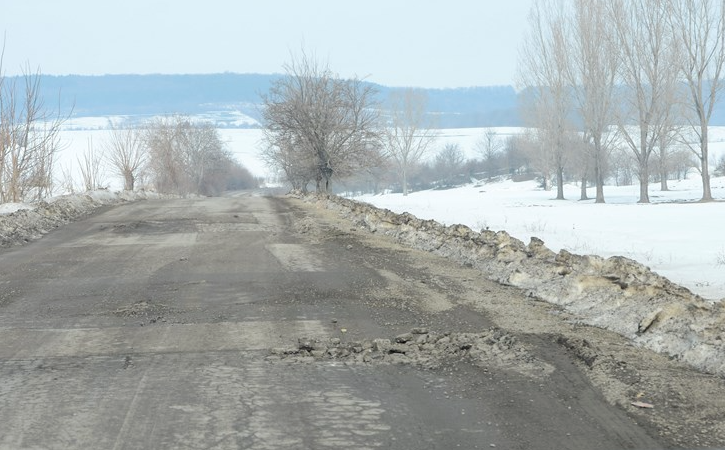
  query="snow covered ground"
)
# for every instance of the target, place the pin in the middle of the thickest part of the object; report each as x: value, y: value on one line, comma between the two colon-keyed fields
x: 676, y: 237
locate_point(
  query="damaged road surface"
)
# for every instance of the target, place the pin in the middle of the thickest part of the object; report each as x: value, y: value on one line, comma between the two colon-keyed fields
x: 257, y: 323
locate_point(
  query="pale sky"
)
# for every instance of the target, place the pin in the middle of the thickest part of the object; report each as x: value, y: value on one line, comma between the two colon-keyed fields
x: 424, y: 43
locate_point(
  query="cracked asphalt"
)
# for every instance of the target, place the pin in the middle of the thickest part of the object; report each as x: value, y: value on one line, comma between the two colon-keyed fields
x: 150, y: 325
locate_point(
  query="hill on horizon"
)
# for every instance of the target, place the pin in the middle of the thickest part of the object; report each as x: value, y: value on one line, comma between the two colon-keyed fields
x: 201, y: 94
x: 232, y: 100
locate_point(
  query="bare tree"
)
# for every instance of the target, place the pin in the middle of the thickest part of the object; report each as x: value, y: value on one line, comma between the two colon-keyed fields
x: 126, y: 153
x: 517, y: 161
x: 29, y: 138
x: 622, y: 166
x: 543, y: 64
x: 592, y: 75
x: 489, y: 146
x: 201, y: 151
x: 720, y: 166
x: 91, y: 166
x: 538, y: 152
x: 668, y: 142
x: 318, y: 116
x: 186, y: 157
x: 298, y: 168
x: 449, y: 162
x: 699, y: 26
x: 165, y: 160
x: 410, y: 133
x: 649, y: 74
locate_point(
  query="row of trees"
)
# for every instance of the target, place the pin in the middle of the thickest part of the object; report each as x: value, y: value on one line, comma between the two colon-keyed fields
x: 517, y: 156
x: 613, y: 91
x: 171, y: 154
x: 642, y: 74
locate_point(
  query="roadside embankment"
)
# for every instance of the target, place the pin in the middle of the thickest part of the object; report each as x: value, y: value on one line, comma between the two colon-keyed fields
x: 28, y: 222
x: 614, y: 293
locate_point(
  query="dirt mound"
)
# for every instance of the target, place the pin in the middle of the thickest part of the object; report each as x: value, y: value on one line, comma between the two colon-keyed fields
x: 615, y: 293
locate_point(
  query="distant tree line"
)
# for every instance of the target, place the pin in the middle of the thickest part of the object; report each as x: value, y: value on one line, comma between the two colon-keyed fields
x: 507, y: 156
x: 169, y: 154
x: 320, y: 127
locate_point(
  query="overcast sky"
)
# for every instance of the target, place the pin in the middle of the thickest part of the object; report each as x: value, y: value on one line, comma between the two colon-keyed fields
x: 424, y: 43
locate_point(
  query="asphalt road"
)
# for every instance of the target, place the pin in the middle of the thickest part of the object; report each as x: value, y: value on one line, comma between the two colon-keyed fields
x: 149, y: 326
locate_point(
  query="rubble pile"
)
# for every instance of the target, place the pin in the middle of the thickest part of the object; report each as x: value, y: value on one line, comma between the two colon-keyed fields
x: 423, y: 348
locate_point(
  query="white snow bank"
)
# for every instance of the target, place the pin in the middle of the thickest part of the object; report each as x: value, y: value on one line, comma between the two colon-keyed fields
x: 675, y: 236
x: 22, y: 223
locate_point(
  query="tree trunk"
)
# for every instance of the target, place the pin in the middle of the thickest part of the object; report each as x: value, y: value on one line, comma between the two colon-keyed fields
x: 643, y: 162
x: 643, y: 181
x: 598, y: 169
x: 706, y: 192
x: 600, y: 187
x: 560, y: 183
x: 405, y: 182
x: 599, y: 179
x: 583, y: 188
x: 663, y: 178
x: 128, y: 181
x: 663, y: 166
